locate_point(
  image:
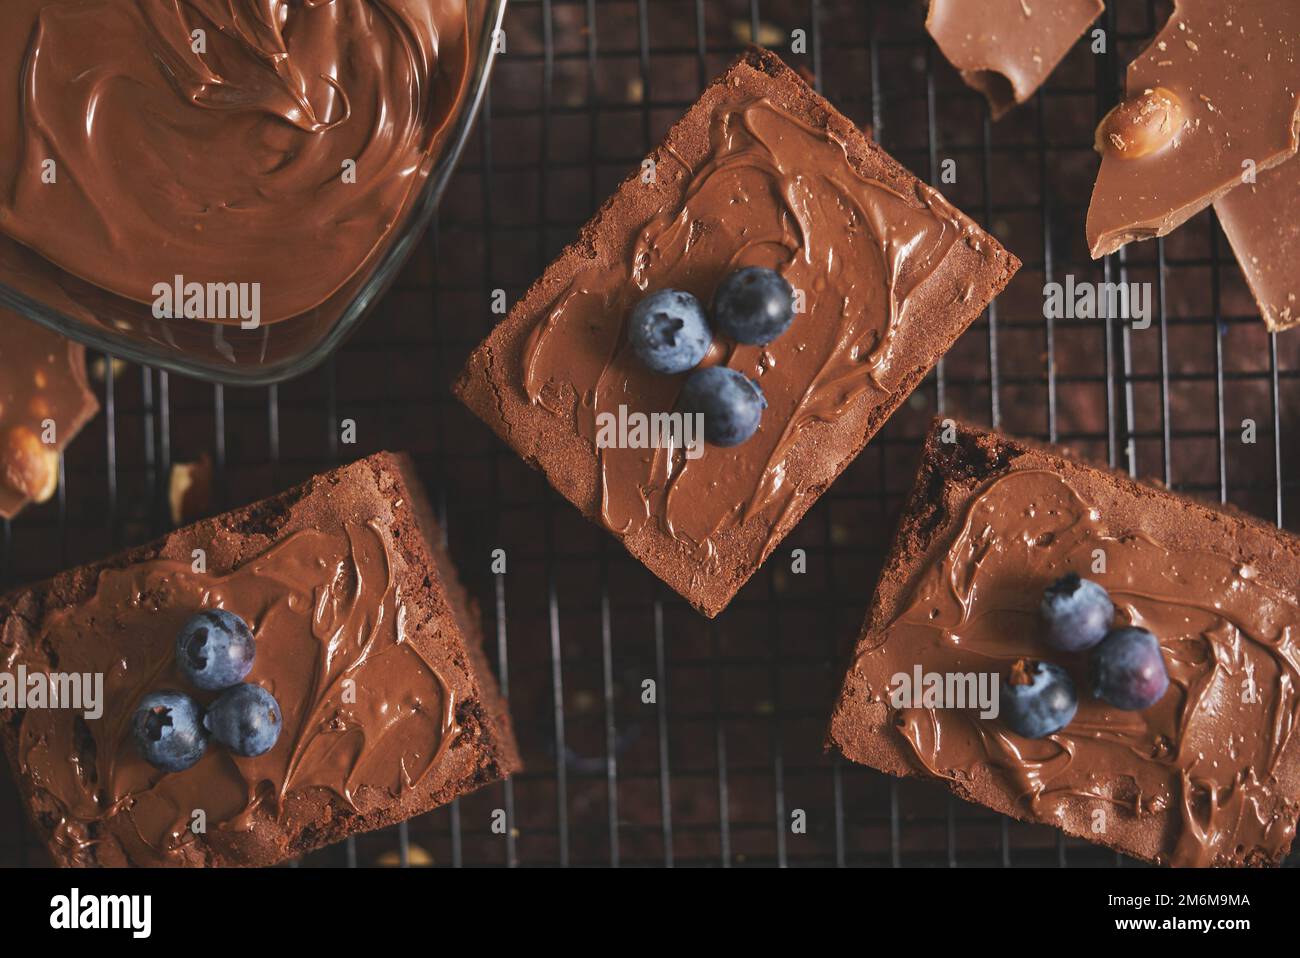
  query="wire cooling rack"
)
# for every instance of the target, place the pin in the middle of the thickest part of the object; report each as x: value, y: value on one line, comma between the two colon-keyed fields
x: 726, y: 764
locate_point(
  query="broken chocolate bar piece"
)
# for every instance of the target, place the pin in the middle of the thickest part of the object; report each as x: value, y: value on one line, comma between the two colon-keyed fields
x: 45, y: 399
x: 1262, y: 220
x: 1214, y: 98
x: 1005, y: 49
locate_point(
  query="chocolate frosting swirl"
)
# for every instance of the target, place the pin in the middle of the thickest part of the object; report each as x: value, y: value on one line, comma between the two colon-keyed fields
x: 221, y: 159
x: 1209, y: 752
x: 774, y: 192
x: 362, y: 708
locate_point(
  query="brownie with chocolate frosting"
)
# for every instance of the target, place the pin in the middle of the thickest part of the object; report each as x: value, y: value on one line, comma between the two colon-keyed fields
x: 1208, y: 775
x: 761, y: 171
x: 363, y: 635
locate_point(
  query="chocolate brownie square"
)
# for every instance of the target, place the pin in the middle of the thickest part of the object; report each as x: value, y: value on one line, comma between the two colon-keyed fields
x: 1208, y: 775
x: 363, y: 635
x: 761, y: 171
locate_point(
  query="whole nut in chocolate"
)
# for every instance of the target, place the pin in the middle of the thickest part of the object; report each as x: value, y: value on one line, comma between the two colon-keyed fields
x: 45, y: 398
x: 30, y: 467
x: 1142, y: 125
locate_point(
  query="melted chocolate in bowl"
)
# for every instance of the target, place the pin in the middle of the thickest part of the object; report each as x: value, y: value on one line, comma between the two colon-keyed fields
x: 291, y: 149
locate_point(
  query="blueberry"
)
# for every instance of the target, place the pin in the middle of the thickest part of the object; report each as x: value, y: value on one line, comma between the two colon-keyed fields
x: 731, y: 403
x: 1038, y: 699
x: 669, y: 331
x: 1077, y: 612
x: 246, y: 719
x: 215, y: 650
x: 754, y: 305
x: 1128, y: 670
x: 167, y: 727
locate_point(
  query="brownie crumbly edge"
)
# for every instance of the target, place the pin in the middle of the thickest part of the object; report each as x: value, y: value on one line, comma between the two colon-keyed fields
x: 495, y: 713
x: 949, y: 474
x: 438, y: 623
x: 489, y: 384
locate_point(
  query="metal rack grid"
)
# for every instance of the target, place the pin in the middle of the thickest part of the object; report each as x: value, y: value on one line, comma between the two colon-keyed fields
x: 713, y: 772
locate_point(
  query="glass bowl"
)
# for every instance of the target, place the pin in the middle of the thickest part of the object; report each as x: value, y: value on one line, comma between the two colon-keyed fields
x: 225, y: 352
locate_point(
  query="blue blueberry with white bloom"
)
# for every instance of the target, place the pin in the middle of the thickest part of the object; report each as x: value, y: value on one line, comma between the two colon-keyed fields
x: 1077, y: 612
x: 215, y: 650
x: 1038, y: 699
x: 246, y: 719
x: 754, y: 306
x: 669, y: 331
x: 732, y: 404
x: 167, y: 728
x: 1128, y: 669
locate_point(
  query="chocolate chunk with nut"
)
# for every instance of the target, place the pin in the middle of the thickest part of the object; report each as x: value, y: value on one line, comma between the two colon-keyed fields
x: 1212, y: 103
x: 45, y: 399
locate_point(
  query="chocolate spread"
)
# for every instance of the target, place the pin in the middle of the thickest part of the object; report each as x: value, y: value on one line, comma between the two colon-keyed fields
x: 774, y: 192
x: 222, y: 141
x: 1208, y: 752
x: 363, y: 710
